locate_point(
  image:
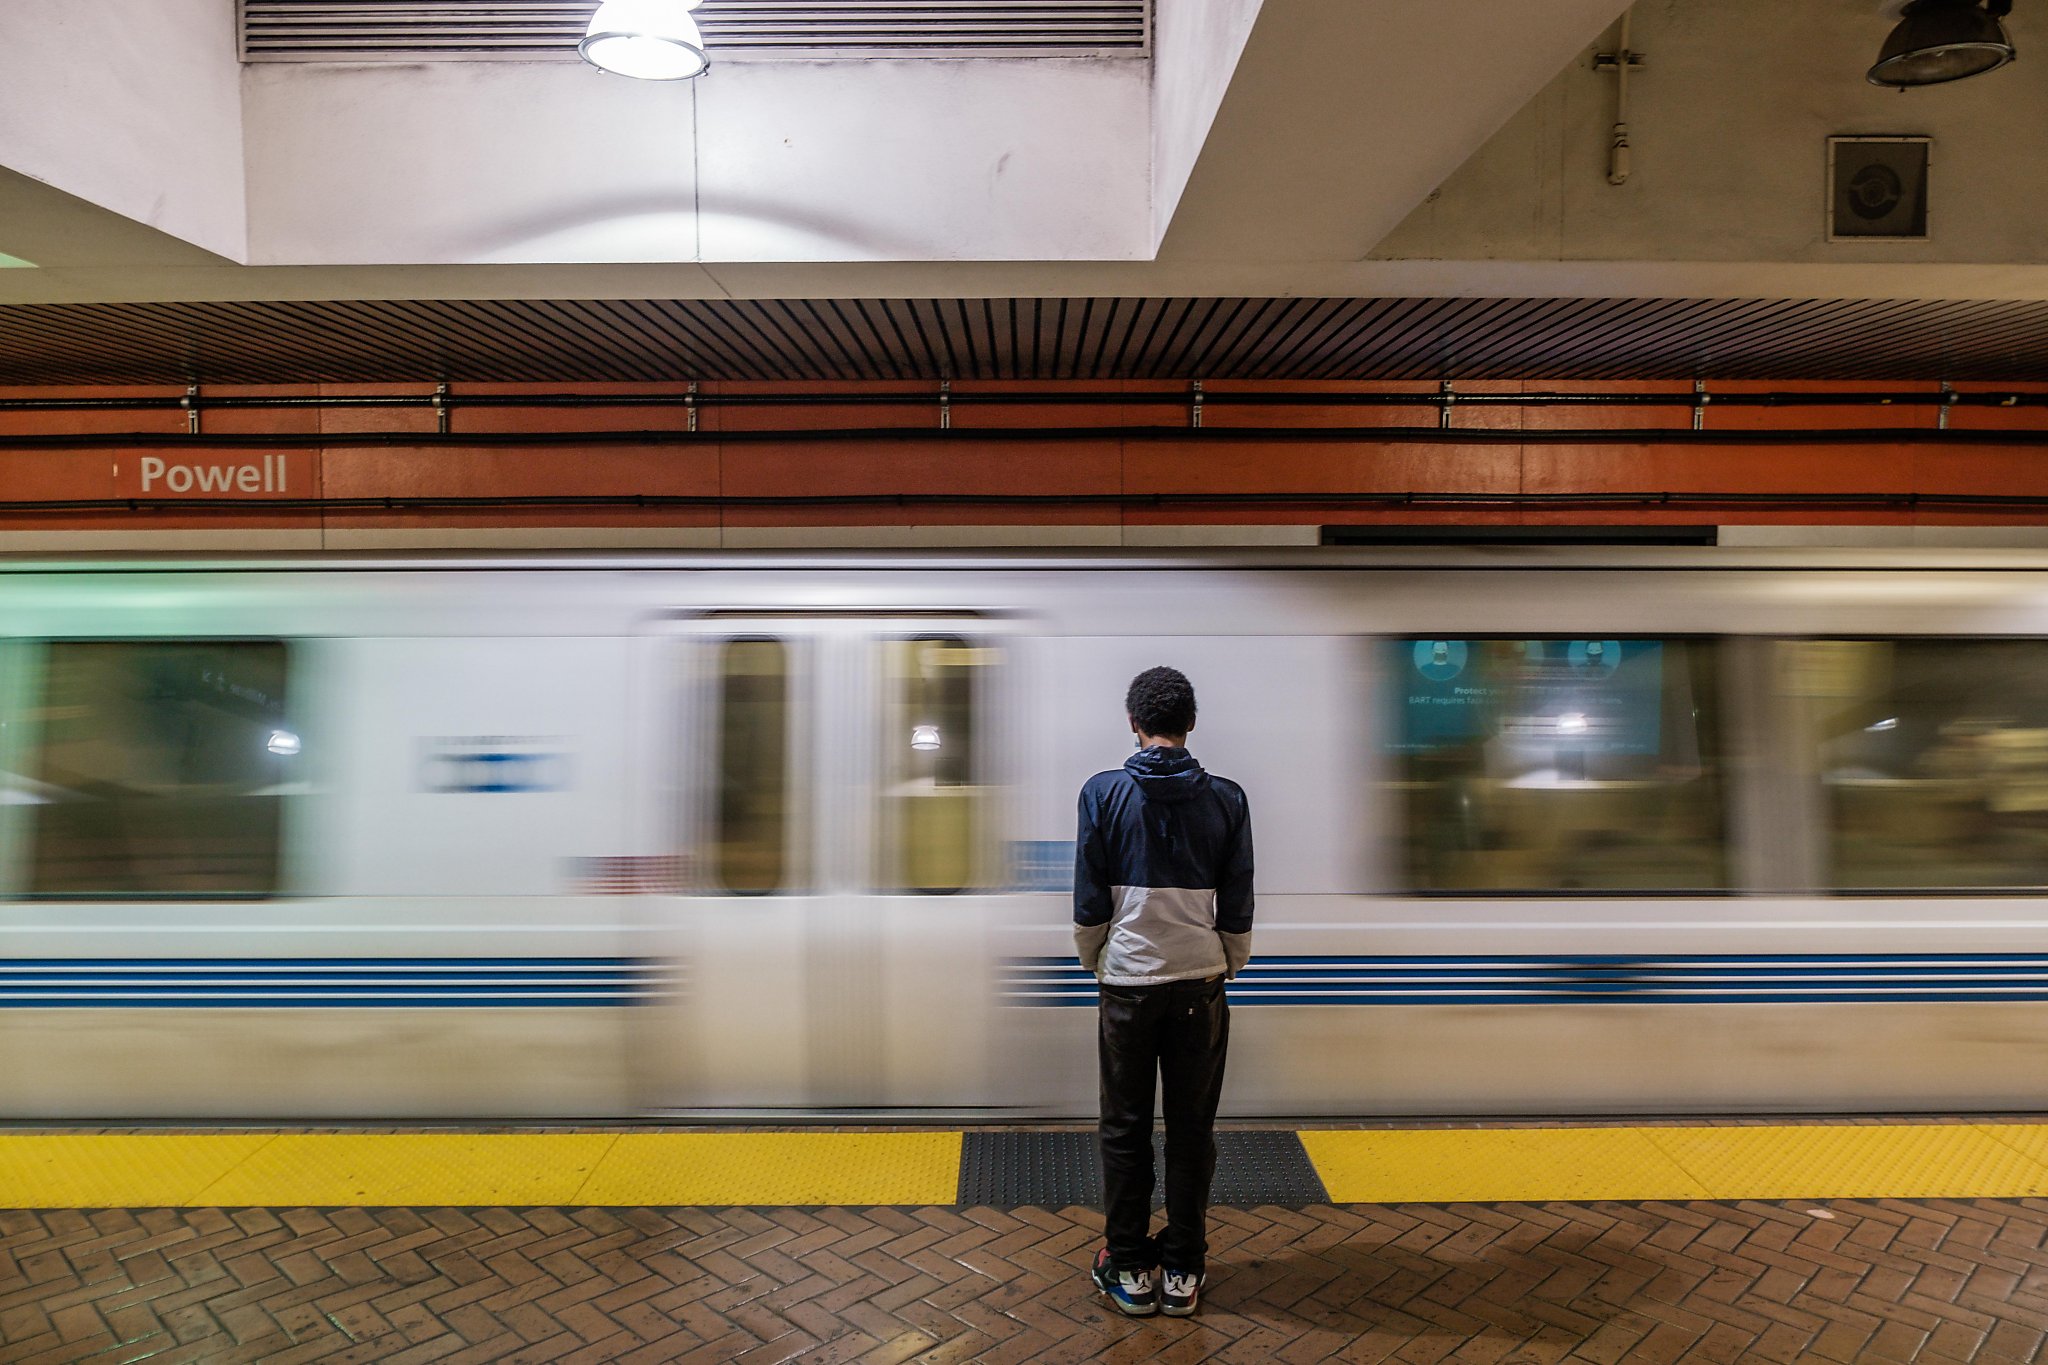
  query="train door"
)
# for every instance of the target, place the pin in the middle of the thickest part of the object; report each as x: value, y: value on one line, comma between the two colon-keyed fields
x: 836, y: 814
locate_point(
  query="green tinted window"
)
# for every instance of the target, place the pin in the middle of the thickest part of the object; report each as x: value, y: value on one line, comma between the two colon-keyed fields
x: 160, y: 768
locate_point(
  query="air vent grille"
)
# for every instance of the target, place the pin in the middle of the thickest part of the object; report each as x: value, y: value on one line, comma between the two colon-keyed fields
x: 533, y: 30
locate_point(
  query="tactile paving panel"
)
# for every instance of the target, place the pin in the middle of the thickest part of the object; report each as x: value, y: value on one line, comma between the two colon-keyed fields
x: 1010, y: 1170
x: 1054, y: 1170
x: 1264, y: 1166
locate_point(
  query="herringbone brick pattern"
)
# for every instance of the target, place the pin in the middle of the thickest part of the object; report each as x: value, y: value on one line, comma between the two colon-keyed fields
x: 1612, y: 1284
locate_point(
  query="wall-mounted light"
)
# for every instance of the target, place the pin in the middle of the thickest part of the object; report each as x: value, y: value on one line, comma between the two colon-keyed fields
x: 924, y: 738
x: 1944, y: 40
x: 649, y: 40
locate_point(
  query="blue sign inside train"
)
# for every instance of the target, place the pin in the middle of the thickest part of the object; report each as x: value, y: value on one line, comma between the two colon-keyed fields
x: 1592, y: 696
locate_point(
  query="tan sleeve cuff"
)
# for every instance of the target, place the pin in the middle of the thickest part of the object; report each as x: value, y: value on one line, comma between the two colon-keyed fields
x: 1088, y: 942
x: 1237, y: 950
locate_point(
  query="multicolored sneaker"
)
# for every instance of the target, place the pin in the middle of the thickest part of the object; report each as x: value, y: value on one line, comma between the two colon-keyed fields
x: 1181, y: 1291
x: 1129, y: 1290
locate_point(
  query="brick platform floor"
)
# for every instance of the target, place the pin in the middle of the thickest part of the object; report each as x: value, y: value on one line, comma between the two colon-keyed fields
x: 1935, y: 1281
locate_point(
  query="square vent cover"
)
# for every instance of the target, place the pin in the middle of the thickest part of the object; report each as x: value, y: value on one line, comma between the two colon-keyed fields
x: 1877, y: 188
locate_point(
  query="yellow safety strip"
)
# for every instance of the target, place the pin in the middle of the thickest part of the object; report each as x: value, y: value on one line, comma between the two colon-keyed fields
x: 1458, y: 1165
x: 472, y: 1169
x: 1790, y: 1161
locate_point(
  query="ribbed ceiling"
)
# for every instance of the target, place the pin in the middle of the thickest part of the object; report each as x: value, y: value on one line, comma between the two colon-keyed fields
x: 627, y: 340
x: 536, y: 30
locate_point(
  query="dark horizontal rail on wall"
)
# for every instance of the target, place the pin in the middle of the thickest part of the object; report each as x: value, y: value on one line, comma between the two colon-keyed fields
x: 1141, y: 397
x: 1988, y: 502
x: 968, y: 436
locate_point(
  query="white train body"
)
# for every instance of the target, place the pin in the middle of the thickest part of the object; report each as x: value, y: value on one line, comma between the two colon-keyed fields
x: 491, y: 894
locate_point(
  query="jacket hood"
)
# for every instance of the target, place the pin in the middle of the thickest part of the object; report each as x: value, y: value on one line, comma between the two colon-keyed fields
x: 1167, y: 774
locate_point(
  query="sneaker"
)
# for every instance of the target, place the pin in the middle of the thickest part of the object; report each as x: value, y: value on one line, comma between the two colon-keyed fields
x: 1183, y: 1288
x: 1129, y: 1290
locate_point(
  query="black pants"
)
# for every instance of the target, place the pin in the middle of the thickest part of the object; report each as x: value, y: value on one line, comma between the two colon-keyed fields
x: 1177, y: 1032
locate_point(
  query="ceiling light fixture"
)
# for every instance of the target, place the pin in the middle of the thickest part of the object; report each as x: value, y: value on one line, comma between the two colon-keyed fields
x: 649, y: 40
x: 1944, y: 40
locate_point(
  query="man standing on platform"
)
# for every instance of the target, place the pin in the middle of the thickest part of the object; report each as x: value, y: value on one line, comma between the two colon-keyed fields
x: 1163, y: 917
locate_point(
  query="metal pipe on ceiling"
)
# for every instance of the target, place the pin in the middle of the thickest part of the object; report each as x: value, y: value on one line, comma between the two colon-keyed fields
x: 955, y: 397
x: 1364, y: 501
x: 969, y: 437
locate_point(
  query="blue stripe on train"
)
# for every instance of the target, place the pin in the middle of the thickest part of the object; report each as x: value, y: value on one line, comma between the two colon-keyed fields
x: 1708, y: 978
x: 314, y: 982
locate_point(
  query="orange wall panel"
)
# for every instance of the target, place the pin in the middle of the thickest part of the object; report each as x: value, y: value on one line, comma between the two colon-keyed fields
x: 971, y: 414
x: 667, y: 409
x: 70, y: 422
x: 922, y: 412
x: 1999, y: 419
x: 399, y: 471
x: 961, y: 466
x: 1719, y: 469
x: 215, y: 421
x: 1224, y: 466
x: 1306, y: 414
x: 410, y: 419
x: 922, y: 514
x: 1804, y: 418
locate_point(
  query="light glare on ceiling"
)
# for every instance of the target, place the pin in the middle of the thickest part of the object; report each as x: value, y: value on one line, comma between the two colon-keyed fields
x: 649, y: 40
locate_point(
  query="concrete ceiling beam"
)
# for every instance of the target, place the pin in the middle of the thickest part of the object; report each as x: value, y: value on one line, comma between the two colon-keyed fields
x: 1343, y: 115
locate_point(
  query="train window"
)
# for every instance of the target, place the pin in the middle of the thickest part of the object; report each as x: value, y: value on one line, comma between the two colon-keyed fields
x: 752, y: 841
x: 1555, y: 765
x: 158, y: 768
x: 934, y: 835
x: 1933, y: 755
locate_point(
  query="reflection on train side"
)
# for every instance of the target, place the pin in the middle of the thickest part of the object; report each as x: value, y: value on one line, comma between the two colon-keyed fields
x: 1526, y: 765
x: 934, y: 831
x: 1934, y: 757
x: 750, y: 852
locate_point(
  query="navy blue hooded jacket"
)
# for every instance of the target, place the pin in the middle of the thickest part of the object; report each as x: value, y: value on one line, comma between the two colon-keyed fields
x: 1162, y: 872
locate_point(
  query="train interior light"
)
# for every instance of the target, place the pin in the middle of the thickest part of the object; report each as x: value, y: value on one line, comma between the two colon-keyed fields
x: 649, y: 40
x: 1944, y: 40
x: 282, y: 743
x: 924, y: 738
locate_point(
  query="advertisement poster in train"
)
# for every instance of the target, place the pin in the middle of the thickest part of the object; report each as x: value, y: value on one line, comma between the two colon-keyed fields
x: 1575, y: 698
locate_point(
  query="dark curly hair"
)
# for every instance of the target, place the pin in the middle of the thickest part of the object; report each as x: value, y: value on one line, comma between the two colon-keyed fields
x: 1162, y: 702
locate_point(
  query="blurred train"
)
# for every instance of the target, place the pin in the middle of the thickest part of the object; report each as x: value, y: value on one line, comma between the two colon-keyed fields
x: 1538, y: 831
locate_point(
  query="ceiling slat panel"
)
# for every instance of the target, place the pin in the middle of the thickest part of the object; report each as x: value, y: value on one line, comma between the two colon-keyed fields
x: 508, y: 30
x: 526, y: 340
